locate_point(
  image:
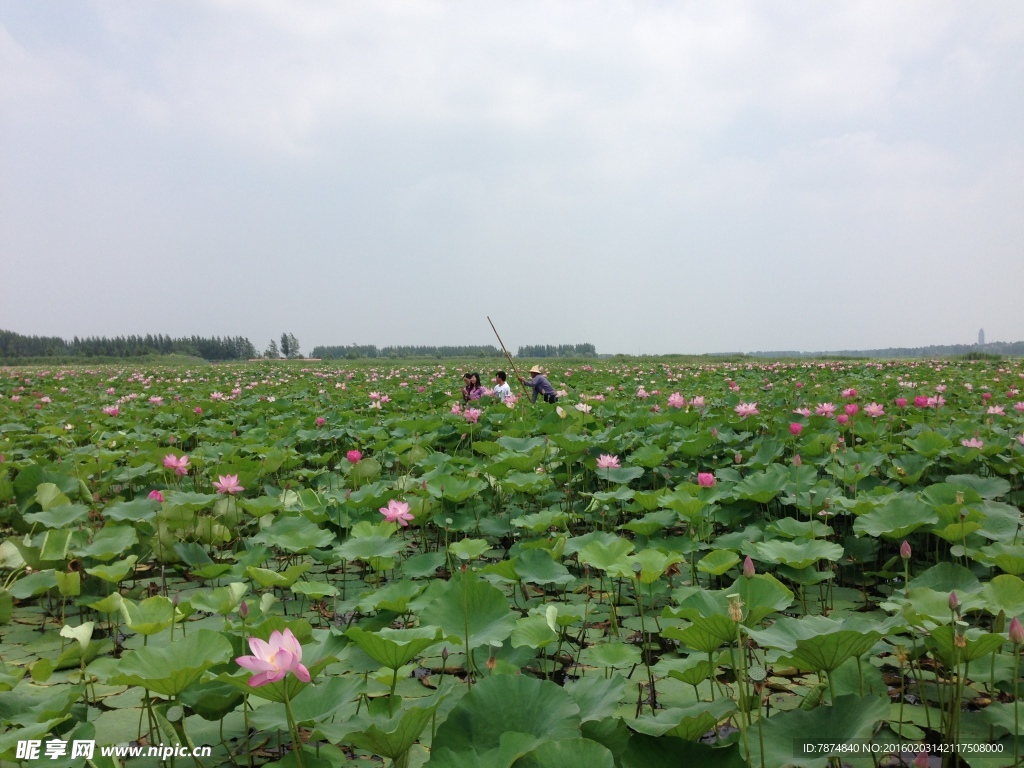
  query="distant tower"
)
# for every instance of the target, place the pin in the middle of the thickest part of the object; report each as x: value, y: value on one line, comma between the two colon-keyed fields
x: 981, y: 337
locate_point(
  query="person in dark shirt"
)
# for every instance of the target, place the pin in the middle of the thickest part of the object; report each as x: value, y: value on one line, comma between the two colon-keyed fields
x: 540, y: 386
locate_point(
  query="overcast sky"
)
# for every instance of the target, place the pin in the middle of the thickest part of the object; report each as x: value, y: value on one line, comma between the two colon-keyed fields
x: 650, y: 177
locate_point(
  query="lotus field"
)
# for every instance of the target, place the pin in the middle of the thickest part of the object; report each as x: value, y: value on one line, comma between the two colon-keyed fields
x: 700, y: 565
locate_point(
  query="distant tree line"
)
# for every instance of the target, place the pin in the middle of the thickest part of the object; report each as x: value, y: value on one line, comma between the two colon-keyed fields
x: 215, y: 348
x: 360, y: 351
x: 562, y: 350
x: 289, y: 348
x: 1015, y: 348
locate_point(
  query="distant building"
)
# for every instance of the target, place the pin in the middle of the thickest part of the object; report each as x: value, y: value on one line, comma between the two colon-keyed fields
x: 981, y: 337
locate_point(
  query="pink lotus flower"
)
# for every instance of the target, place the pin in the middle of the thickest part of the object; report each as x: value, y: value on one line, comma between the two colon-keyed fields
x: 874, y: 410
x: 1020, y: 439
x: 676, y: 400
x: 851, y: 409
x: 397, y: 512
x: 228, y: 484
x: 705, y: 479
x: 320, y: 421
x: 156, y: 496
x: 111, y: 410
x: 986, y: 396
x: 1016, y: 631
x: 996, y: 410
x: 796, y: 428
x: 275, y: 659
x: 456, y: 409
x: 842, y: 418
x: 698, y: 401
x: 921, y: 401
x: 746, y: 409
x: 178, y: 463
x: 472, y: 415
x: 802, y: 411
x: 198, y: 411
x: 607, y: 461
x: 901, y: 402
x: 972, y: 443
x: 936, y: 402
x: 851, y: 392
x: 825, y: 409
x: 1019, y: 406
x: 354, y: 456
x: 156, y: 400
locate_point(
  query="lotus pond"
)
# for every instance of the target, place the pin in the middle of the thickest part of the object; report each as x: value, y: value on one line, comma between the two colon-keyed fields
x: 679, y: 565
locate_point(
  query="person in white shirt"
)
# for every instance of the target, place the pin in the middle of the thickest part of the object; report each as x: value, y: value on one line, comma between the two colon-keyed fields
x: 501, y: 388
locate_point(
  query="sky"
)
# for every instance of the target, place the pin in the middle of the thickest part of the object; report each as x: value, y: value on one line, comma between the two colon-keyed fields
x: 649, y: 177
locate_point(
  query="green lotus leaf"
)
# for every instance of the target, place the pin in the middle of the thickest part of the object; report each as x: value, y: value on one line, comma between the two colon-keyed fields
x: 686, y: 723
x: 60, y: 516
x: 171, y: 669
x: 267, y: 578
x: 468, y: 602
x: 706, y: 634
x: 614, y: 655
x: 827, y: 652
x: 896, y: 519
x: 294, y: 534
x: 393, y: 648
x: 798, y: 554
x: 222, y: 600
x: 568, y: 753
x: 109, y: 542
x: 928, y: 444
x: 717, y: 562
x: 597, y: 697
x: 537, y: 566
x: 762, y: 487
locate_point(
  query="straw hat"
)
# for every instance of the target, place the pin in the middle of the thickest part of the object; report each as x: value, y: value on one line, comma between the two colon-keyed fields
x: 535, y: 369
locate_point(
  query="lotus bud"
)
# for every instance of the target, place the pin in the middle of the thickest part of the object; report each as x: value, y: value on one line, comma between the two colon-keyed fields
x: 959, y: 497
x: 748, y: 567
x: 243, y: 610
x: 1016, y: 631
x: 954, y: 604
x: 444, y: 655
x: 174, y: 601
x: 797, y: 461
x: 738, y: 458
x: 905, y: 550
x: 921, y: 760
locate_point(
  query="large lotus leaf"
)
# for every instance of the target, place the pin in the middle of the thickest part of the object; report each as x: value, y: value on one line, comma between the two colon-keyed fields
x: 909, y: 468
x: 666, y: 752
x: 468, y: 549
x: 978, y: 644
x: 267, y: 578
x: 705, y: 634
x: 533, y: 632
x: 34, y: 584
x: 368, y: 547
x: 392, y: 737
x: 787, y: 631
x: 687, y: 723
x: 455, y: 489
x: 568, y: 753
x: 1008, y: 558
x: 521, y: 444
x: 1000, y: 521
x: 526, y: 482
x: 986, y: 487
x: 109, y: 542
x: 597, y: 697
x: 512, y: 747
x: 621, y: 493
x: 764, y: 486
x: 189, y: 500
x: 59, y: 516
x: 1004, y: 593
x: 222, y: 600
x: 294, y: 534
x: 696, y: 446
x: 366, y: 469
x: 170, y: 669
x: 798, y: 555
x: 897, y: 518
x: 921, y: 604
x: 468, y: 602
x: 613, y: 655
x: 652, y: 522
x: 394, y: 648
x: 648, y: 456
x: 608, y: 555
x: 762, y: 595
x: 828, y: 651
x: 508, y: 703
x: 684, y: 503
x: 947, y: 577
x: 717, y: 562
x: 152, y: 615
x: 620, y: 475
x: 792, y: 528
x: 393, y: 596
x: 850, y: 717
x: 928, y: 444
x: 653, y: 564
x: 536, y: 566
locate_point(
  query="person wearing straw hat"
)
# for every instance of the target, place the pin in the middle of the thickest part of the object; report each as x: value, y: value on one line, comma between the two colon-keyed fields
x: 540, y: 386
